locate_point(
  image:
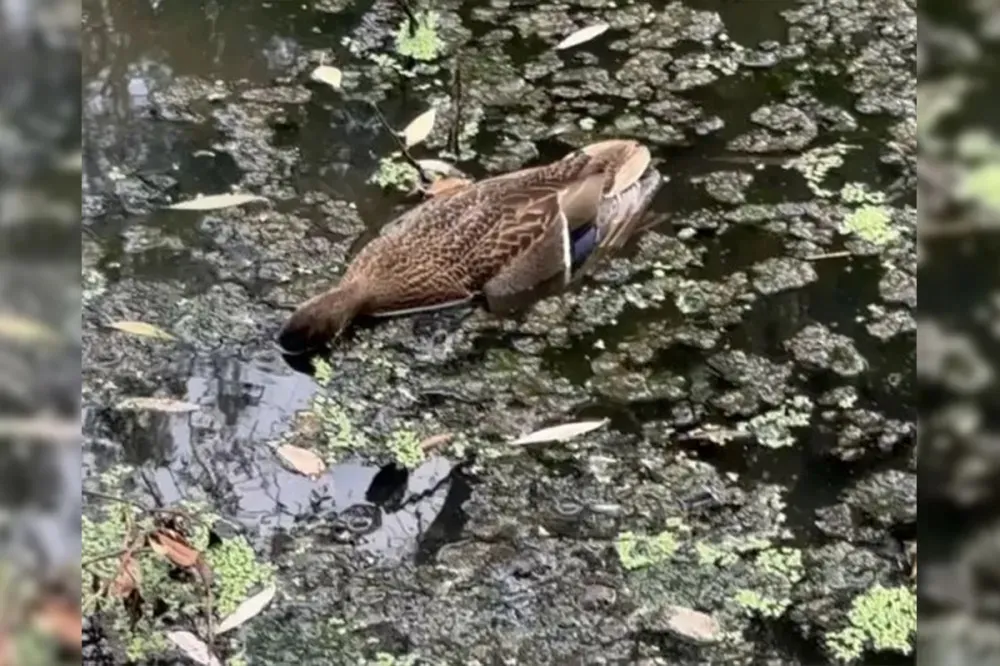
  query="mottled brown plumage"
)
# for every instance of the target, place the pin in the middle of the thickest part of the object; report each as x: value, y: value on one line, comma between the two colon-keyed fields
x: 508, y: 241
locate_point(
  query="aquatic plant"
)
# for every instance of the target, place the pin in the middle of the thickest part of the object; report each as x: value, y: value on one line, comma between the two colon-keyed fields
x: 871, y: 223
x: 773, y: 428
x: 884, y: 619
x: 394, y: 172
x: 637, y: 551
x: 421, y: 42
x: 777, y: 571
x: 982, y: 185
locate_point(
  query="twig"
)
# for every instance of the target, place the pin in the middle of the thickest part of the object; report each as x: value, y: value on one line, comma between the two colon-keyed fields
x: 402, y: 146
x: 139, y: 505
x: 101, y: 558
x: 456, y: 127
x: 411, y: 16
x: 829, y: 255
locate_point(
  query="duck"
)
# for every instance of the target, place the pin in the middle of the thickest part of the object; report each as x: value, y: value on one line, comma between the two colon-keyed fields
x: 502, y: 243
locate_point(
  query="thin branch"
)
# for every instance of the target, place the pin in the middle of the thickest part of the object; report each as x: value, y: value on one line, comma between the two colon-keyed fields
x: 411, y: 16
x: 829, y: 255
x: 401, y: 145
x: 456, y: 127
x: 139, y: 505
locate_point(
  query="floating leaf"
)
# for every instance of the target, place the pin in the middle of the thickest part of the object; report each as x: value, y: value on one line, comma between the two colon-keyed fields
x: 693, y: 625
x: 142, y: 328
x: 560, y: 433
x: 39, y: 427
x: 331, y: 76
x: 420, y: 128
x: 153, y: 404
x: 174, y: 547
x: 216, y: 201
x: 436, y: 441
x: 247, y: 610
x: 441, y: 167
x: 301, y: 460
x: 22, y: 329
x: 582, y: 35
x: 193, y: 647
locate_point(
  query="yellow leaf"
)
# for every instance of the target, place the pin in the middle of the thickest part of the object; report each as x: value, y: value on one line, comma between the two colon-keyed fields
x: 331, y: 76
x: 301, y: 460
x: 168, y: 405
x: 143, y: 329
x: 582, y: 35
x: 216, y: 201
x: 420, y: 128
x: 22, y: 329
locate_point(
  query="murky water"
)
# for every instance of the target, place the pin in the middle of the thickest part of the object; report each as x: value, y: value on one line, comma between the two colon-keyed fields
x: 155, y: 132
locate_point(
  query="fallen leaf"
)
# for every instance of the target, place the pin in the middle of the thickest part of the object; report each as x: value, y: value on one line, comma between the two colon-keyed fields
x: 23, y: 329
x: 560, y: 432
x: 582, y: 35
x: 141, y: 328
x: 40, y: 427
x: 691, y: 624
x: 62, y: 620
x: 174, y: 547
x: 193, y: 647
x: 435, y: 441
x: 331, y: 76
x: 128, y: 578
x: 420, y: 128
x: 301, y: 460
x: 216, y: 201
x: 247, y: 610
x: 439, y: 167
x: 152, y: 404
x: 446, y: 186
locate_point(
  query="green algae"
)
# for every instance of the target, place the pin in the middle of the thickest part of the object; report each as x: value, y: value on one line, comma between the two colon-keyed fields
x: 882, y: 619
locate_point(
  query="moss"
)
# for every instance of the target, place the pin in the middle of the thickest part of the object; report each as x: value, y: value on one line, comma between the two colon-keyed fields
x: 884, y: 619
x: 871, y: 223
x: 637, y: 551
x: 424, y: 43
x: 393, y: 172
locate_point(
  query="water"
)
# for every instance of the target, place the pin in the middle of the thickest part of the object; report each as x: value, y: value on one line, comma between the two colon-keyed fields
x: 147, y: 146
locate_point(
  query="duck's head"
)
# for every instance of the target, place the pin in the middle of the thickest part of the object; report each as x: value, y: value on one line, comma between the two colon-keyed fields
x: 320, y: 320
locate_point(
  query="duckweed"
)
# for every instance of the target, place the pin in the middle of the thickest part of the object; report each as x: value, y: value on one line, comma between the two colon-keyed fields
x: 393, y: 172
x: 773, y: 428
x: 422, y: 43
x: 778, y: 570
x: 871, y: 223
x: 884, y: 619
x: 638, y: 551
x: 982, y: 185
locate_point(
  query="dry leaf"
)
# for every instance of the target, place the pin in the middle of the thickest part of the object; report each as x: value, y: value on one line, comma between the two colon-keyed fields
x: 22, y: 329
x: 128, y: 578
x: 142, y: 328
x: 62, y: 620
x: 582, y: 35
x: 247, y: 610
x: 193, y: 647
x: 331, y: 76
x: 174, y: 547
x: 216, y: 201
x: 301, y: 460
x: 560, y: 432
x: 420, y: 128
x: 693, y: 625
x: 446, y: 186
x: 168, y: 405
x: 436, y: 441
x: 439, y: 167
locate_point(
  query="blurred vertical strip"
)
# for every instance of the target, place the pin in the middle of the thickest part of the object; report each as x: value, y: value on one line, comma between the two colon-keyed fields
x: 958, y: 334
x: 40, y: 346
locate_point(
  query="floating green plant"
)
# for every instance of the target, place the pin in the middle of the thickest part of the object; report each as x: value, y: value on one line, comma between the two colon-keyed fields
x: 393, y: 172
x: 422, y: 42
x: 884, y: 619
x: 871, y: 223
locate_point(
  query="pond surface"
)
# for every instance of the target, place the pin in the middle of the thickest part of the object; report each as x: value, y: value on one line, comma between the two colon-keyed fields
x: 761, y: 305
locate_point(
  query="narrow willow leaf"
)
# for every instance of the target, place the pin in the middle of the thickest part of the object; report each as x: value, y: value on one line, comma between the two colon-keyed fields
x: 22, y: 329
x: 216, y: 201
x: 193, y: 647
x: 168, y: 405
x: 560, y: 433
x: 142, y: 328
x: 582, y: 35
x: 420, y: 128
x: 331, y: 76
x: 301, y: 460
x: 247, y: 610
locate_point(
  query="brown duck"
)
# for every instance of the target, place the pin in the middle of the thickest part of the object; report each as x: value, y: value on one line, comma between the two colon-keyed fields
x: 503, y: 242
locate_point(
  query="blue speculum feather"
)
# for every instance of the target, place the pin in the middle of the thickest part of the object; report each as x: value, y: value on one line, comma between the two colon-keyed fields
x: 582, y: 241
